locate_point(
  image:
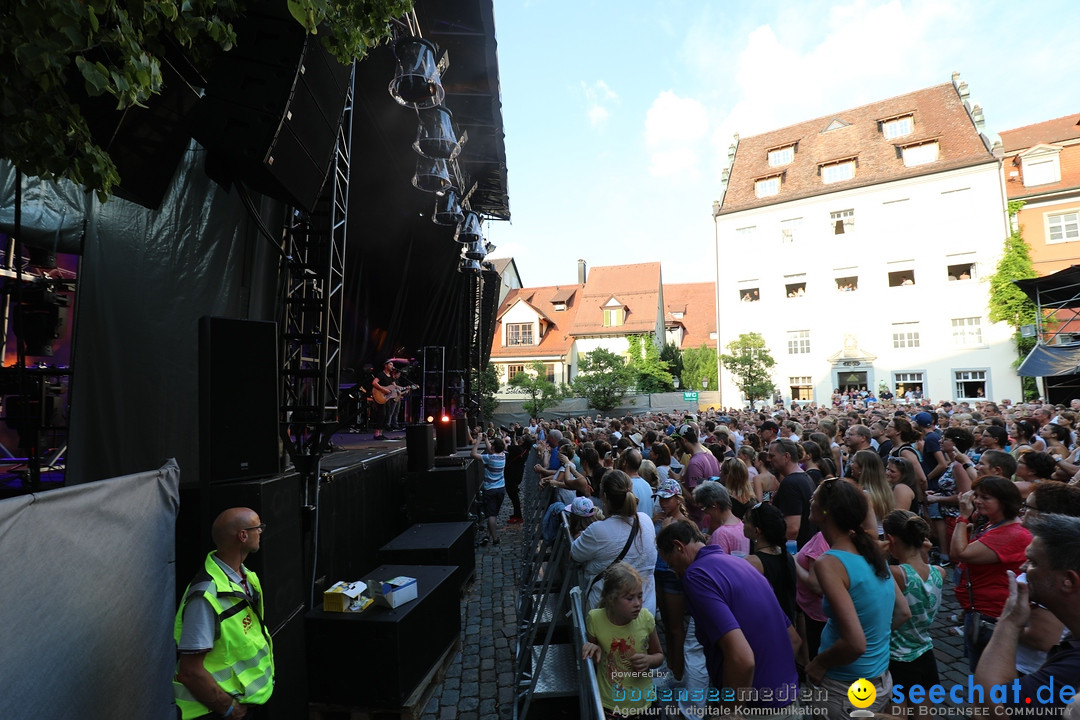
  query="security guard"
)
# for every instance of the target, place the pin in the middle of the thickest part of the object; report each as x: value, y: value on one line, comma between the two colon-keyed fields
x: 226, y: 660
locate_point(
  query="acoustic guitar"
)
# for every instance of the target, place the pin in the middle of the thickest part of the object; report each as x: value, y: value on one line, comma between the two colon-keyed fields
x: 384, y: 396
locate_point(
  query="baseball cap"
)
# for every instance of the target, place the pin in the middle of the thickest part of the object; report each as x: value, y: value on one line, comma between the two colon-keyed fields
x: 582, y: 507
x: 923, y: 419
x: 668, y: 488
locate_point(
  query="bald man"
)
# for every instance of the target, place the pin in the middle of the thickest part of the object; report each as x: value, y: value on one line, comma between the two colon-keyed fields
x: 226, y: 661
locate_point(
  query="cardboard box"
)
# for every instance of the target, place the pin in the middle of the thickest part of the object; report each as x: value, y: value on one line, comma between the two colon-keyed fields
x: 394, y: 592
x: 344, y: 597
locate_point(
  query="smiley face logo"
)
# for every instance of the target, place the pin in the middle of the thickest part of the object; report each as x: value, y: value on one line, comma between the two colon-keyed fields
x: 862, y: 693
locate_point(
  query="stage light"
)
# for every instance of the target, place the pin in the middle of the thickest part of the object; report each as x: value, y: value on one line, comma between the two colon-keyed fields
x: 431, y: 175
x: 448, y: 208
x: 416, y: 82
x: 430, y: 419
x: 435, y: 137
x: 445, y: 418
x: 475, y: 250
x: 469, y: 230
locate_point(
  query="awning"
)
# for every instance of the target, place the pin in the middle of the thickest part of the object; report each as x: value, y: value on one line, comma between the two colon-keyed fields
x: 1050, y: 360
x: 1060, y: 290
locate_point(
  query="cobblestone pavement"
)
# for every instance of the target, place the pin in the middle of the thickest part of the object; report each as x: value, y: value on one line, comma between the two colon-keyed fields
x: 479, y: 683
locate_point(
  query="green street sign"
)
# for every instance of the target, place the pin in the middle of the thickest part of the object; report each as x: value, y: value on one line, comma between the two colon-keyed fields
x: 690, y: 396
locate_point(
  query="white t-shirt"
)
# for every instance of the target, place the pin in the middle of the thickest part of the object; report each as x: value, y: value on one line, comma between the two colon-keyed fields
x: 601, y: 542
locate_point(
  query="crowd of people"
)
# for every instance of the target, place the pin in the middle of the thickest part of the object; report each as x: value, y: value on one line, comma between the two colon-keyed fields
x: 790, y: 552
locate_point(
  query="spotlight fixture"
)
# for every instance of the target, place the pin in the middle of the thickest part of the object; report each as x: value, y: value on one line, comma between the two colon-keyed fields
x: 475, y: 250
x: 467, y: 265
x: 435, y: 137
x: 469, y: 230
x: 431, y: 175
x: 448, y: 208
x: 416, y: 82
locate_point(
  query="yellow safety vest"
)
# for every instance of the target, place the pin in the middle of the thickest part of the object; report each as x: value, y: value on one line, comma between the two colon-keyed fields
x: 242, y: 660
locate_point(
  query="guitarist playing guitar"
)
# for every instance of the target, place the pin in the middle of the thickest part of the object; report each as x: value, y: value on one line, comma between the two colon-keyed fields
x: 382, y: 389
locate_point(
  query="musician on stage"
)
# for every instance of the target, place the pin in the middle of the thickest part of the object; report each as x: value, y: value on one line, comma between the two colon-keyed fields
x: 383, y: 383
x: 393, y: 415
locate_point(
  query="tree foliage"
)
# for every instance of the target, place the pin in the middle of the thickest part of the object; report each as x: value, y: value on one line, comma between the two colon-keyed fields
x: 699, y: 363
x: 650, y: 373
x: 53, y: 53
x: 603, y: 379
x: 672, y: 355
x: 750, y: 362
x: 1008, y: 303
x: 487, y: 382
x: 542, y: 392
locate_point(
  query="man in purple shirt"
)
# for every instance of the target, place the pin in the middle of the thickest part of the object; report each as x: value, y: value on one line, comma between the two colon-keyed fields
x: 749, y: 642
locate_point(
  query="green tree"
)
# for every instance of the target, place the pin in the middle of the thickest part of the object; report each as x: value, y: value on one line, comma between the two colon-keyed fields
x: 672, y: 355
x: 650, y: 373
x: 603, y: 379
x: 487, y: 382
x: 542, y: 392
x: 698, y: 363
x: 750, y: 362
x: 53, y: 54
x: 1008, y: 303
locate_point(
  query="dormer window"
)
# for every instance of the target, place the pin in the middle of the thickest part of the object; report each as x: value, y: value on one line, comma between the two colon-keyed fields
x: 920, y: 154
x: 559, y: 306
x: 519, y: 334
x: 838, y: 171
x: 767, y: 187
x: 1040, y: 165
x: 781, y: 156
x: 898, y: 127
x: 614, y: 317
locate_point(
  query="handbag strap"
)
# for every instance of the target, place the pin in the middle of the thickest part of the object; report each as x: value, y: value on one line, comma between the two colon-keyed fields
x: 626, y: 549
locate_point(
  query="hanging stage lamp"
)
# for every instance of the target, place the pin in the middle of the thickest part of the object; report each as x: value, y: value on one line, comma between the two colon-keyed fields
x: 431, y: 175
x: 448, y: 208
x: 475, y: 250
x: 469, y: 230
x: 416, y: 82
x: 467, y: 265
x: 435, y: 138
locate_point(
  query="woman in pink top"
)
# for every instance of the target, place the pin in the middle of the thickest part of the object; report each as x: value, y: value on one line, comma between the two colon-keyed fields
x: 714, y: 499
x: 808, y: 598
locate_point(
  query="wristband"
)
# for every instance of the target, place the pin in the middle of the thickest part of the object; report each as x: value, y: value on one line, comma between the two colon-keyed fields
x: 227, y: 713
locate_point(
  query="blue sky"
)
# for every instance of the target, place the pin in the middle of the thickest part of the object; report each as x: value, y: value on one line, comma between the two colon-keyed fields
x: 618, y: 115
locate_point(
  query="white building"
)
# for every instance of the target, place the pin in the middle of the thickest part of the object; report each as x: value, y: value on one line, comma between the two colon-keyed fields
x: 859, y: 245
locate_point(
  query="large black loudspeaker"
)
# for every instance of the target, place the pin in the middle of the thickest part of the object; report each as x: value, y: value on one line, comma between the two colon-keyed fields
x: 443, y: 494
x: 449, y: 543
x: 446, y: 442
x: 279, y: 561
x: 238, y: 399
x: 461, y: 429
x: 420, y: 446
x: 289, y: 700
x: 273, y: 108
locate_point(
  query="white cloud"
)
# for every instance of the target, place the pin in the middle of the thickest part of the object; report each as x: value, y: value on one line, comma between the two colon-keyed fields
x: 675, y: 128
x: 598, y: 97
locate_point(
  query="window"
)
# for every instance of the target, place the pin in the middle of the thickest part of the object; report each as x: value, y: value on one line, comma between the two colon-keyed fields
x: 920, y: 154
x: 842, y: 222
x: 898, y: 127
x: 749, y: 295
x: 962, y: 271
x: 801, y: 388
x: 798, y: 342
x: 519, y: 334
x: 794, y: 290
x: 781, y: 156
x: 900, y: 278
x: 967, y: 331
x: 1041, y: 170
x: 767, y: 187
x: 1063, y: 227
x: 513, y: 370
x: 838, y: 171
x: 559, y: 306
x: 904, y: 381
x: 789, y: 230
x: 970, y: 383
x: 849, y: 283
x: 549, y: 372
x: 613, y: 317
x: 905, y: 335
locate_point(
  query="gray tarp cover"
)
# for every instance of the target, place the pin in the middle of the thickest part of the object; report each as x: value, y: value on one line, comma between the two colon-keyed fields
x: 87, y: 599
x: 1050, y: 360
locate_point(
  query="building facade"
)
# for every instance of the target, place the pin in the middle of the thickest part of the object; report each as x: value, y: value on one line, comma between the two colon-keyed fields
x: 858, y: 244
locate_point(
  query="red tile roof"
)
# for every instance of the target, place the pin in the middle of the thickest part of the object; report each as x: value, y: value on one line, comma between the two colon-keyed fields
x: 938, y: 112
x: 637, y: 287
x: 697, y: 302
x: 1049, y: 131
x: 555, y: 340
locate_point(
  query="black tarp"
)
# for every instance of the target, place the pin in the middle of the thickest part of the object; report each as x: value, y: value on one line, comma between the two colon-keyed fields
x: 1048, y: 360
x: 1059, y: 290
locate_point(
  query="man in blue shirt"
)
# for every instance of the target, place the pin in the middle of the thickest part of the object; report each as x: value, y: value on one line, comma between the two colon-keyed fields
x: 494, y: 461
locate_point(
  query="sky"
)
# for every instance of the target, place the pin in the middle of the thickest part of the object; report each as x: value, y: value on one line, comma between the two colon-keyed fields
x: 618, y: 114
